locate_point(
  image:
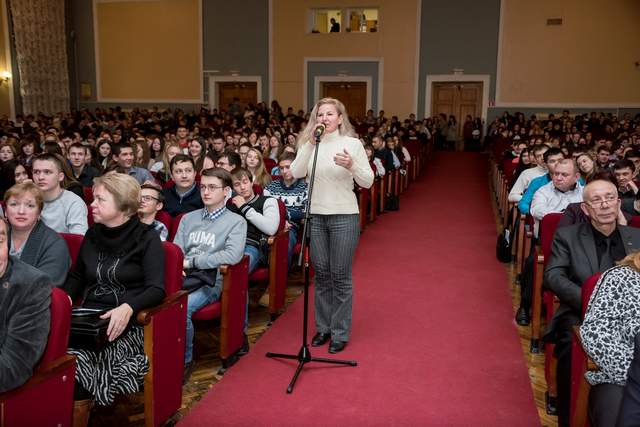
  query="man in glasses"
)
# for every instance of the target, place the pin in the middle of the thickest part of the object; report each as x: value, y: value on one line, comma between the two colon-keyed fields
x: 578, y: 252
x: 151, y: 202
x: 208, y: 237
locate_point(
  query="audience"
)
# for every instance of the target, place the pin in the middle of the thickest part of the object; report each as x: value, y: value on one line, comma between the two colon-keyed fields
x: 24, y: 323
x: 31, y: 240
x: 209, y: 237
x: 123, y: 155
x: 152, y: 202
x: 63, y: 211
x: 183, y: 196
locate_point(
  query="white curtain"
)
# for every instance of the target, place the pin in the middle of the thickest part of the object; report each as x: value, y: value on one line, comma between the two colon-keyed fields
x: 41, y: 54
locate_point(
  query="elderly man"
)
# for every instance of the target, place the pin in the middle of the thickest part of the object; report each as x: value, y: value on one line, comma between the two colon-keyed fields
x: 25, y: 296
x: 579, y: 251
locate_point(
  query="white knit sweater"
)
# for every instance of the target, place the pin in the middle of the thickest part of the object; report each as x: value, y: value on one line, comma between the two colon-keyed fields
x: 333, y: 187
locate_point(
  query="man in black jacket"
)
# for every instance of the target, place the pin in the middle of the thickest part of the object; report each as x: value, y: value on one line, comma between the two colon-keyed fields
x: 25, y: 297
x: 184, y: 195
x: 383, y: 153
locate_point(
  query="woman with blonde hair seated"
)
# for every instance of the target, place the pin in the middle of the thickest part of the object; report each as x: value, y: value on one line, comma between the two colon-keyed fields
x: 120, y: 270
x: 255, y: 165
x: 30, y: 239
x: 162, y: 167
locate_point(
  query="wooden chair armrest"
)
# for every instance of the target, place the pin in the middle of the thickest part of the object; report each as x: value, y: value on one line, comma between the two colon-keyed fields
x: 272, y: 239
x: 144, y: 317
x: 591, y: 365
x: 224, y: 269
x: 41, y: 375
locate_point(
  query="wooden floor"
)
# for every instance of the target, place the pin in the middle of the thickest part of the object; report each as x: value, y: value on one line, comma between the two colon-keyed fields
x: 129, y: 409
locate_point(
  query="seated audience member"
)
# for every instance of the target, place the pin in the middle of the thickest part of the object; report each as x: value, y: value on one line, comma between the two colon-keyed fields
x: 12, y: 172
x: 629, y: 414
x: 623, y: 170
x: 527, y: 175
x: 255, y: 165
x: 563, y: 189
x: 183, y: 196
x: 376, y: 164
x: 262, y: 215
x: 524, y: 163
x: 31, y: 240
x: 63, y: 211
x: 162, y: 167
x: 77, y: 155
x: 383, y: 153
x: 633, y: 154
x: 578, y: 252
x: 209, y: 237
x: 551, y: 157
x: 294, y: 194
x: 603, y: 157
x: 608, y: 330
x: 25, y: 319
x: 229, y: 160
x: 217, y: 145
x: 151, y: 202
x: 242, y: 151
x: 122, y: 154
x: 120, y: 269
x: 586, y: 166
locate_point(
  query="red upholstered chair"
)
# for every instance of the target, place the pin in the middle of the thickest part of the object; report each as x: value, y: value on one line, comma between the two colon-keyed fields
x: 165, y: 218
x: 269, y: 164
x: 168, y: 184
x: 581, y: 363
x: 74, y: 241
x: 363, y: 200
x: 547, y: 230
x: 276, y: 273
x: 276, y: 177
x: 257, y: 189
x: 230, y: 309
x: 173, y: 229
x: 47, y: 398
x: 635, y: 221
x: 372, y: 203
x: 413, y: 147
x: 88, y: 195
x: 382, y: 192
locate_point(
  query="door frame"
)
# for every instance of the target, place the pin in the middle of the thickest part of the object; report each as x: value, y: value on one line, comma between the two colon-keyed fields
x: 318, y: 80
x: 485, y: 79
x: 213, y: 87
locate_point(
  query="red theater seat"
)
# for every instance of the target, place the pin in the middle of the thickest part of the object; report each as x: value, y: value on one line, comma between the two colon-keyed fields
x: 50, y: 389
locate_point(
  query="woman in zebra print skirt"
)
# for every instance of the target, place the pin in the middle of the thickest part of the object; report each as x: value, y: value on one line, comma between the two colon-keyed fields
x: 120, y: 269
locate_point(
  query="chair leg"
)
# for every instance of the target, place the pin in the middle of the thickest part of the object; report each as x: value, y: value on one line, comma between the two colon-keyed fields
x: 81, y: 412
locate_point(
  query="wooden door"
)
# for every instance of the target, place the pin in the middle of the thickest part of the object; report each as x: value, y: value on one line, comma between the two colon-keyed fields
x: 352, y: 94
x: 458, y: 99
x: 246, y: 92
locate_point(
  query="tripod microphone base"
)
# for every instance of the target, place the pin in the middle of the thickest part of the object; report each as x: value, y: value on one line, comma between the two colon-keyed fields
x: 304, y: 356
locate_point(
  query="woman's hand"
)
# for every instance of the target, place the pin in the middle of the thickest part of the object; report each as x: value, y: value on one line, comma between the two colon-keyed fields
x: 119, y: 320
x: 343, y: 159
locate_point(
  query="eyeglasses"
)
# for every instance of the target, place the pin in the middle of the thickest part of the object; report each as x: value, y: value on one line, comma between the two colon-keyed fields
x: 599, y: 203
x: 147, y: 199
x: 210, y: 187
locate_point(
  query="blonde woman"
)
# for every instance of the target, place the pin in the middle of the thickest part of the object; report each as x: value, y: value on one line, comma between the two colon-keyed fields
x: 335, y: 226
x: 162, y: 168
x: 255, y: 165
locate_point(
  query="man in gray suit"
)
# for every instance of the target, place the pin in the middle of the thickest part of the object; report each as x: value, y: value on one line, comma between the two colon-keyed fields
x: 578, y: 252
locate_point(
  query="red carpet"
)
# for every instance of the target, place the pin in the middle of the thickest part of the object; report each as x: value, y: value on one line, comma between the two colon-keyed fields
x: 433, y: 328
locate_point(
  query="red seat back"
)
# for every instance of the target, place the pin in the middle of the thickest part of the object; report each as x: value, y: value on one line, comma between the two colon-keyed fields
x: 173, y: 260
x: 88, y: 195
x: 74, y: 241
x: 548, y: 227
x: 283, y: 215
x: 587, y: 289
x: 168, y: 184
x: 269, y: 164
x: 59, y: 329
x: 635, y: 221
x: 175, y: 222
x: 164, y: 218
x: 257, y: 189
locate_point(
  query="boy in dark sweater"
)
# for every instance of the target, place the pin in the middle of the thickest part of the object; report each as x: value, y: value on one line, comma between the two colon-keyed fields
x: 183, y: 196
x: 209, y: 237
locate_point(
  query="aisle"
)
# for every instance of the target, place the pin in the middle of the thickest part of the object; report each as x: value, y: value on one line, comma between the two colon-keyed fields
x: 433, y: 328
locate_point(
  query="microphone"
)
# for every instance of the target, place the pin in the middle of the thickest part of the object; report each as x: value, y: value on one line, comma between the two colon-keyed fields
x: 317, y: 133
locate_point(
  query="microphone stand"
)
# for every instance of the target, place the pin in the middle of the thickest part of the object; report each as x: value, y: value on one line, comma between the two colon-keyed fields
x: 304, y: 355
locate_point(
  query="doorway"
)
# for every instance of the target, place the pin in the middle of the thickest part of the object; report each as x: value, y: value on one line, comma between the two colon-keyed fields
x: 246, y: 92
x: 352, y: 94
x: 458, y: 99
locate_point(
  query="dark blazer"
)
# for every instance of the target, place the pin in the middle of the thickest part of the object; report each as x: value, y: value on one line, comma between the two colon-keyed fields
x: 573, y: 260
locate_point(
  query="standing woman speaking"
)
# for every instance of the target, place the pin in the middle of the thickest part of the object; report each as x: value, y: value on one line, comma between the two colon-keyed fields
x: 335, y: 225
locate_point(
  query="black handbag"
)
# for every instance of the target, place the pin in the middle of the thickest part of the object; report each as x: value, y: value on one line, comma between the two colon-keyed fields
x: 88, y: 331
x: 197, y: 278
x: 503, y: 246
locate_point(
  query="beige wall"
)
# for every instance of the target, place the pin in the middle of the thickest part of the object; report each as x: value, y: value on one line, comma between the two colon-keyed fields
x: 395, y: 43
x: 149, y: 50
x: 5, y: 64
x: 589, y: 59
